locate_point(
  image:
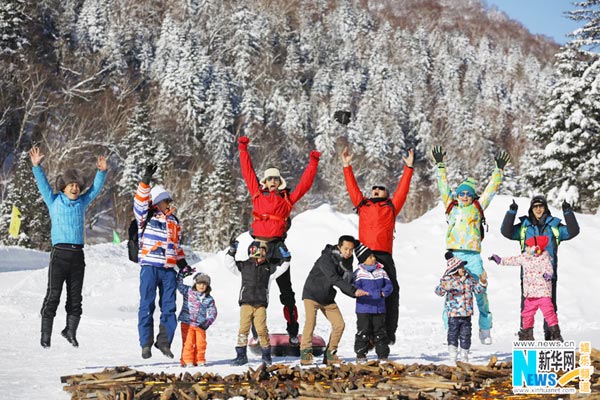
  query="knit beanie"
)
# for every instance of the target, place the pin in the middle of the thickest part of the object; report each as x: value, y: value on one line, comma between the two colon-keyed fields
x: 362, y: 252
x: 202, y: 278
x: 468, y: 185
x: 158, y: 194
x: 453, y: 264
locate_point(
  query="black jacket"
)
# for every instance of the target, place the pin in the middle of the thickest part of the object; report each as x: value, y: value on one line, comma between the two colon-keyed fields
x: 330, y: 270
x: 255, y: 279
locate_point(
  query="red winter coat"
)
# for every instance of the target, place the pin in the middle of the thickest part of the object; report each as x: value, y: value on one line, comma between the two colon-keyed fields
x: 271, y: 210
x: 377, y: 219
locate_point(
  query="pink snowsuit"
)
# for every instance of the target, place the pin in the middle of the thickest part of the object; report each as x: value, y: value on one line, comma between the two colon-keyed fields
x: 536, y: 289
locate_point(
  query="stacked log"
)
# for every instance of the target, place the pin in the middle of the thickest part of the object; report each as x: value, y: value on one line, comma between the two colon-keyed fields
x: 373, y: 380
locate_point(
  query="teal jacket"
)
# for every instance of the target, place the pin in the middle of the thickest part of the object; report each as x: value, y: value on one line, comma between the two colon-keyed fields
x: 67, y: 216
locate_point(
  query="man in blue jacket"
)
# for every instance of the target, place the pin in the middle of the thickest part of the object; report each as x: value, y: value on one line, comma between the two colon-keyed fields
x: 539, y: 222
x: 67, y: 263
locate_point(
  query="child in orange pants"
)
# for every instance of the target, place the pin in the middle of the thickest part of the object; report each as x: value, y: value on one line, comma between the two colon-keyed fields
x: 197, y: 314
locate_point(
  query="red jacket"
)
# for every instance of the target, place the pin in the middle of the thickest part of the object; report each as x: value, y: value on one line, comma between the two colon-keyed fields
x: 377, y: 219
x: 271, y: 210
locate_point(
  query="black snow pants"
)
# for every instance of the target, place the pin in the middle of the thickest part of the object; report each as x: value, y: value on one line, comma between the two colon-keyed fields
x: 371, y: 326
x: 459, y: 328
x: 67, y: 264
x: 392, y: 302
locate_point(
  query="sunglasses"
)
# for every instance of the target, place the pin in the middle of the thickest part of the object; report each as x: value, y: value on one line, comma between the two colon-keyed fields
x: 465, y: 193
x: 272, y: 178
x: 538, y: 206
x: 379, y: 188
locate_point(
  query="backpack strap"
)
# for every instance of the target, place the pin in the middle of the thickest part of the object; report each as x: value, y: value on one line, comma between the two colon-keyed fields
x: 555, y: 233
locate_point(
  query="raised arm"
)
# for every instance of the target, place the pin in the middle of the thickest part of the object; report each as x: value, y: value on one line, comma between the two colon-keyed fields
x: 442, y: 180
x: 508, y: 229
x: 356, y: 195
x: 94, y: 190
x: 404, y: 184
x: 572, y: 228
x: 502, y: 158
x: 246, y: 165
x: 307, y: 178
x: 40, y: 178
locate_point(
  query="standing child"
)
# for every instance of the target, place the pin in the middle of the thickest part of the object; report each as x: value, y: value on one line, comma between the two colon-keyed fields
x: 198, y: 312
x: 537, y: 286
x: 256, y: 273
x: 458, y: 286
x: 370, y: 310
x: 67, y: 262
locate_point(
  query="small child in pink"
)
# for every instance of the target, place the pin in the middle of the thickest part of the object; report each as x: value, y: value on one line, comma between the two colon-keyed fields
x: 537, y: 286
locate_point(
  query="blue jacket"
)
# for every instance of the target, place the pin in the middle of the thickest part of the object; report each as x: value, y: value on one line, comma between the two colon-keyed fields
x: 66, y: 215
x: 198, y: 309
x: 377, y: 283
x: 565, y: 232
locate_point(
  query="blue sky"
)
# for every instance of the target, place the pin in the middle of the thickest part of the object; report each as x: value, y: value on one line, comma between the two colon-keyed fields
x: 540, y: 16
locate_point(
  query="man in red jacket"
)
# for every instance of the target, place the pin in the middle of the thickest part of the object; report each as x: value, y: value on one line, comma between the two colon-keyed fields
x: 376, y: 221
x: 272, y: 204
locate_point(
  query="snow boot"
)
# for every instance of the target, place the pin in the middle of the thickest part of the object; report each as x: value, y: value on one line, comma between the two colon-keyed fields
x: 71, y: 329
x: 331, y: 357
x: 526, y: 334
x: 453, y: 353
x: 46, y: 332
x: 555, y: 333
x: 146, y: 352
x: 266, y: 355
x: 241, y: 358
x: 464, y: 355
x: 306, y: 356
x: 361, y: 358
x: 485, y: 335
x: 162, y: 342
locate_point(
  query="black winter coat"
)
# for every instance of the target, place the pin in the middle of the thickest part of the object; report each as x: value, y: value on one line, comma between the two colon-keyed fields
x: 330, y: 270
x: 255, y: 280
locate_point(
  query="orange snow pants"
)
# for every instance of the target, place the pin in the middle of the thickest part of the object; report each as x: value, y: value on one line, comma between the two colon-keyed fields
x: 194, y: 344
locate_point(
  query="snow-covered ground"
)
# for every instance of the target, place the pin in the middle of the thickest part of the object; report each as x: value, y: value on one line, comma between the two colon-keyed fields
x: 108, y: 330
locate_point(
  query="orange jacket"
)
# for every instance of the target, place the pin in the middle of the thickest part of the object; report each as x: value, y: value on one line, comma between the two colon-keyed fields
x: 377, y: 219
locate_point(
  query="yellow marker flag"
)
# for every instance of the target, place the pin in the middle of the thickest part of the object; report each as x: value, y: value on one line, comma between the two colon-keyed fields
x: 15, y: 222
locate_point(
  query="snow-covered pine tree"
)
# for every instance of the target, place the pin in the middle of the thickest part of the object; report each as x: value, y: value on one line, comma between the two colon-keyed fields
x: 141, y: 146
x: 35, y: 221
x: 565, y: 163
x: 13, y: 36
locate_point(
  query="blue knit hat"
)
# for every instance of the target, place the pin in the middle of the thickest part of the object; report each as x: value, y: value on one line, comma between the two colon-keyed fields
x: 468, y: 185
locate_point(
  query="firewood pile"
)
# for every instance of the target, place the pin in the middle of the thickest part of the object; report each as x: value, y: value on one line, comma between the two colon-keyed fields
x: 374, y: 380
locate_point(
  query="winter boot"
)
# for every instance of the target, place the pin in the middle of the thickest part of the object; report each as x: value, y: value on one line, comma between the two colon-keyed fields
x: 485, y: 335
x: 555, y: 333
x: 162, y: 342
x: 266, y: 355
x: 306, y: 356
x: 46, y: 332
x: 290, y: 312
x: 453, y: 353
x: 146, y: 352
x: 464, y: 355
x: 331, y: 357
x: 526, y: 334
x: 361, y: 358
x: 241, y: 358
x: 71, y: 329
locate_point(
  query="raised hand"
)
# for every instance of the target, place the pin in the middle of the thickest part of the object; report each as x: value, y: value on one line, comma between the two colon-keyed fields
x: 346, y: 157
x: 101, y: 163
x: 438, y: 154
x: 502, y: 159
x: 514, y: 206
x: 343, y: 117
x: 149, y: 171
x: 410, y: 159
x: 314, y: 154
x: 36, y: 156
x: 566, y: 206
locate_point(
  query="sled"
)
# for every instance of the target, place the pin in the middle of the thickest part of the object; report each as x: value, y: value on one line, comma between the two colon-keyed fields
x: 280, y: 345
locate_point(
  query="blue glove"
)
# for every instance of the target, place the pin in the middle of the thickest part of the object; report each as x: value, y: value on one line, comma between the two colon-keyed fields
x: 547, y: 276
x: 285, y: 254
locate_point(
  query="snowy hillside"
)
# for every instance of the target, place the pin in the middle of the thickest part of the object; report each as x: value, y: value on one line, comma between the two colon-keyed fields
x: 108, y: 331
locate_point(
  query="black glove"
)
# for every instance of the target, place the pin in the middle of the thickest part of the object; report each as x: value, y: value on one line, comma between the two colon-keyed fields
x: 203, y: 326
x: 233, y: 246
x: 514, y: 206
x: 438, y: 154
x: 184, y: 267
x: 566, y: 206
x: 150, y: 170
x: 502, y: 159
x: 343, y: 117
